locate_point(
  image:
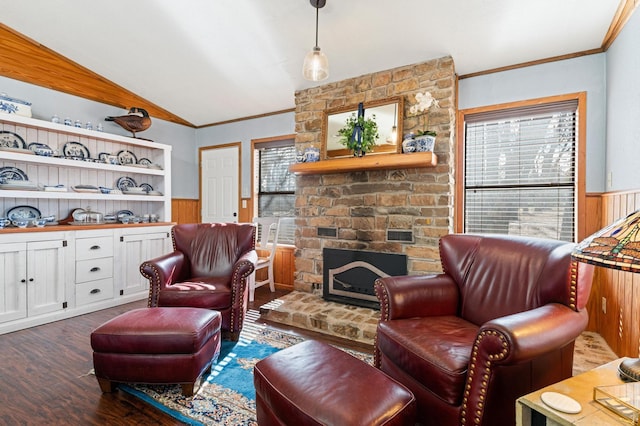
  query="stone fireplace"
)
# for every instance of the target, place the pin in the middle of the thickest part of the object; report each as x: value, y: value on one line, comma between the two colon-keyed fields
x: 364, y: 209
x: 403, y: 210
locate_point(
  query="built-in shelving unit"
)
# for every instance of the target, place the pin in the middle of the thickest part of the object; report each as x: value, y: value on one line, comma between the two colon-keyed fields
x: 45, y: 170
x: 60, y: 271
x: 368, y: 162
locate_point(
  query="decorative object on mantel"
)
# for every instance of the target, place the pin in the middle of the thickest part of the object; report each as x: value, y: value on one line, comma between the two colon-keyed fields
x: 14, y: 106
x: 616, y: 247
x: 316, y: 64
x: 359, y: 134
x: 311, y: 154
x: 425, y: 139
x: 136, y: 121
x: 408, y: 143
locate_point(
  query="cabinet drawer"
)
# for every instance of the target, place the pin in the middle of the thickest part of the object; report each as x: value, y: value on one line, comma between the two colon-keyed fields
x: 93, y: 248
x: 94, y: 269
x: 94, y: 291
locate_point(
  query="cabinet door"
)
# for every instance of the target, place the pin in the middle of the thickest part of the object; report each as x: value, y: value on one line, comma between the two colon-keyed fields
x: 13, y: 287
x: 137, y: 249
x: 45, y: 276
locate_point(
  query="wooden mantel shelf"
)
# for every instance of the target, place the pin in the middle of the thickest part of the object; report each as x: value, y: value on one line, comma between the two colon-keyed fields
x: 368, y: 162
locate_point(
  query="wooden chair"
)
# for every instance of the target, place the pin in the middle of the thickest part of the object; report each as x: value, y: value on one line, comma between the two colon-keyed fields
x: 267, y: 230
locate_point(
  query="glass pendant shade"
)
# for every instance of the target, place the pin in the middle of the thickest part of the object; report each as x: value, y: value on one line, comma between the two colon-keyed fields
x: 315, y: 66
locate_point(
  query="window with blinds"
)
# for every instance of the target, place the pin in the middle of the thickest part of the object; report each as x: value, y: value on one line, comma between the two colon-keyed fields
x: 276, y: 184
x: 520, y: 171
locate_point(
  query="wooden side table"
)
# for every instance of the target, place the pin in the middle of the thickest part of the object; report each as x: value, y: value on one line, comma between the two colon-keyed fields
x: 530, y: 410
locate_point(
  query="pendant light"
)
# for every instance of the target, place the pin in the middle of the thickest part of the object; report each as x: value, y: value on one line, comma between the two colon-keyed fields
x: 316, y: 64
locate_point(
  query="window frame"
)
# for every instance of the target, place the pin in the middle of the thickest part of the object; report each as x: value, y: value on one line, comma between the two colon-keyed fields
x: 255, y: 166
x: 580, y: 161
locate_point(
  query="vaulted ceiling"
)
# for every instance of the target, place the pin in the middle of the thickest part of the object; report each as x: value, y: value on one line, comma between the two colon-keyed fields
x: 198, y: 62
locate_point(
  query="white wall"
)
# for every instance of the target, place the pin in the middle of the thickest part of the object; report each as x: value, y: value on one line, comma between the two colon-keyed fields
x: 47, y: 102
x: 582, y: 74
x: 245, y: 131
x: 623, y: 108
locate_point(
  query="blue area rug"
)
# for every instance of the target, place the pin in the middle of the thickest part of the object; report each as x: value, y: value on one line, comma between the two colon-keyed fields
x: 228, y: 396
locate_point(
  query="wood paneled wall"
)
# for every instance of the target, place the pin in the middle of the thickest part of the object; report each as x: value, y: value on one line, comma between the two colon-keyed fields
x: 619, y: 321
x: 184, y: 210
x: 283, y: 268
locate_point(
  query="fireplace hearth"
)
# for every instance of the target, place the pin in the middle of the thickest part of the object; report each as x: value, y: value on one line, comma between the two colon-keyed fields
x: 349, y: 275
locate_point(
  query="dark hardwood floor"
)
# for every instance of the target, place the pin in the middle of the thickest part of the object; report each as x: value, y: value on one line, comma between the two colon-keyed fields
x: 45, y: 380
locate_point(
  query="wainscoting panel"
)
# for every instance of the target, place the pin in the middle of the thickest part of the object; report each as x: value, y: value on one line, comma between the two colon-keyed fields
x: 184, y: 210
x: 617, y: 319
x: 283, y: 268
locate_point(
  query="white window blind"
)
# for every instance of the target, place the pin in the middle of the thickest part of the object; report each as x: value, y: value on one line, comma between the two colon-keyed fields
x: 520, y: 171
x: 276, y: 193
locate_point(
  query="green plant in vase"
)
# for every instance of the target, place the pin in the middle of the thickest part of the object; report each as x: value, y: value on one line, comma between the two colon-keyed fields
x: 359, y: 134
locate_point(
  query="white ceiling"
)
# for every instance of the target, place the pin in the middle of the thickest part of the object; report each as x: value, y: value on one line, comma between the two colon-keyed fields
x: 214, y: 60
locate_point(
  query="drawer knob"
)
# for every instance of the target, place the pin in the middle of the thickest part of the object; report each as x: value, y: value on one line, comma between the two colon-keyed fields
x: 94, y: 248
x: 95, y: 291
x: 94, y: 269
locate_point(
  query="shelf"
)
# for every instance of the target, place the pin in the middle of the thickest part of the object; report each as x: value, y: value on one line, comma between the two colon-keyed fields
x: 53, y: 161
x: 368, y: 162
x: 61, y: 128
x: 71, y: 195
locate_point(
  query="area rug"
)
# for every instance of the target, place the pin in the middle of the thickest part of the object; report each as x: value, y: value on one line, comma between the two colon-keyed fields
x: 227, y: 397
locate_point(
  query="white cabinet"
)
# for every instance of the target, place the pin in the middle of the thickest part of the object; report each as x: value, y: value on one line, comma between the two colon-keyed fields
x: 136, y: 245
x: 51, y: 171
x: 61, y: 271
x: 51, y: 275
x: 33, y: 276
x: 93, y: 266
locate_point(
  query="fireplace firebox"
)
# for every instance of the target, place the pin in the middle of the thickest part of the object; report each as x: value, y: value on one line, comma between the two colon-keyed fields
x: 349, y: 275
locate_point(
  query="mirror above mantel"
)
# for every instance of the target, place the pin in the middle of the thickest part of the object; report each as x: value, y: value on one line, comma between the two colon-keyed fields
x: 389, y: 117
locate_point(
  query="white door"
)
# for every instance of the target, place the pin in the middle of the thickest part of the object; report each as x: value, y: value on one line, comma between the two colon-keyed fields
x: 13, y: 281
x: 220, y: 186
x: 45, y: 276
x: 134, y: 250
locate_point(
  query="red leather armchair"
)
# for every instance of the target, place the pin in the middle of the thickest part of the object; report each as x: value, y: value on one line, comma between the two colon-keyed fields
x: 209, y: 268
x: 498, y: 323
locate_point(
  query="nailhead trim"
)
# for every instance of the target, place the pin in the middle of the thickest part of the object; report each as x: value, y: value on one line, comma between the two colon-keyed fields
x: 483, y: 373
x: 573, y: 287
x: 383, y: 297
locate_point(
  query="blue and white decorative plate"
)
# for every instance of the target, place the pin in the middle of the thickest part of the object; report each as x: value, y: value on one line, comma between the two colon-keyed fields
x: 104, y: 157
x: 125, y: 182
x: 144, y: 161
x: 147, y: 188
x: 123, y: 213
x: 12, y: 173
x: 126, y: 158
x: 41, y: 149
x: 23, y: 212
x: 11, y: 140
x: 75, y: 150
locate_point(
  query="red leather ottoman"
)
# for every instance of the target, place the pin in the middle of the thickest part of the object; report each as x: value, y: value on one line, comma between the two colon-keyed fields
x: 157, y: 345
x: 312, y: 383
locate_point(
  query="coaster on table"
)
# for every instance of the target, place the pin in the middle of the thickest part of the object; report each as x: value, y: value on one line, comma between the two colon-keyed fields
x: 561, y: 402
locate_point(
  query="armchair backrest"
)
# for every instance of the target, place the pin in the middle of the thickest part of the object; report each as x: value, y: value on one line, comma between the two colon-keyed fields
x: 500, y: 275
x: 211, y: 249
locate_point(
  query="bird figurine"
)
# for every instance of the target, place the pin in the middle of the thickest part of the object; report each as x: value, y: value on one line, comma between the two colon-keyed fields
x: 136, y: 121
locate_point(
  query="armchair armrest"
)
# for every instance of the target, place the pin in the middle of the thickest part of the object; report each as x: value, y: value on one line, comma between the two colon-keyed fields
x: 411, y: 296
x: 242, y: 269
x: 530, y: 334
x: 162, y: 272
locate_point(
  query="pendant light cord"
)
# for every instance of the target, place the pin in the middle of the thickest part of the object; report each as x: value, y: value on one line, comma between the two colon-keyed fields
x: 317, y: 9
